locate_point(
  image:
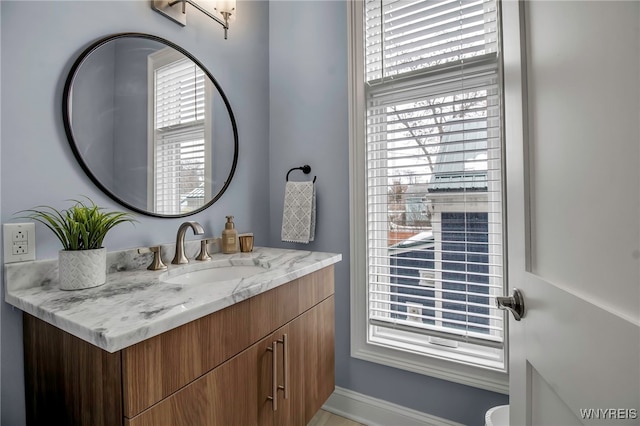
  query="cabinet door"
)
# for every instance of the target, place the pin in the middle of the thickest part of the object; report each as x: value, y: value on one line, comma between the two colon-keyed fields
x: 290, y: 358
x: 307, y: 368
x: 317, y: 372
x: 235, y: 393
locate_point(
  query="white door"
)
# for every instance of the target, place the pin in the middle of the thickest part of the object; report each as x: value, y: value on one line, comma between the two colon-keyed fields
x: 573, y: 194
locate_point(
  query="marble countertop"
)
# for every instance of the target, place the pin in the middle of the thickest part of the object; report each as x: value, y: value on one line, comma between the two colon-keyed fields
x: 136, y: 304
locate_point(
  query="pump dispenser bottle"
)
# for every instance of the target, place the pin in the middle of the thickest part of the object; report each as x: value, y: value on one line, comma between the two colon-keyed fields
x: 229, y: 237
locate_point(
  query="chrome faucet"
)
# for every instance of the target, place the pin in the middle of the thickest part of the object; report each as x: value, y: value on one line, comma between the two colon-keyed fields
x: 179, y: 257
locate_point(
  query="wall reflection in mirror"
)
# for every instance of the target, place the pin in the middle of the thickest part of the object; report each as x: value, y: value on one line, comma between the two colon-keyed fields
x: 150, y: 125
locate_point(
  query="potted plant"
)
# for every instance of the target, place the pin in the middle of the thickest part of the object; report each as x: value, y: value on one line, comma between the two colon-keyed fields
x: 82, y: 263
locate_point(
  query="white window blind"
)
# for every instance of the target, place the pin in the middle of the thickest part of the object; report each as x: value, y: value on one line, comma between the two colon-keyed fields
x: 179, y: 137
x: 403, y: 36
x: 434, y: 178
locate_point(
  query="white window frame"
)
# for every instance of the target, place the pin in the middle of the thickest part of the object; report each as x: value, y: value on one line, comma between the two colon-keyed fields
x: 155, y: 61
x: 439, y: 362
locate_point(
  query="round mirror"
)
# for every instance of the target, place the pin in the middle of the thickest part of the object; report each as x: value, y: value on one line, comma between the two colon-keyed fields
x: 150, y: 125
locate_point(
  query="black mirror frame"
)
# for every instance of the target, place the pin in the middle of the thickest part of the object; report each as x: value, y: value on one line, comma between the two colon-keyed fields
x: 72, y: 142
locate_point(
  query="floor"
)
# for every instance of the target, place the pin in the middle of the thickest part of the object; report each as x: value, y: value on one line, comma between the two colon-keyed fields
x: 325, y: 418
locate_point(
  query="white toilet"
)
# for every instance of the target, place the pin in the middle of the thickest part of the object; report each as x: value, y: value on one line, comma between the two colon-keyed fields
x: 497, y: 416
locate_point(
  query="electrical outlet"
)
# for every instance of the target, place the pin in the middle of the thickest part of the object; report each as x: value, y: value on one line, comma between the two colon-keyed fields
x: 19, y: 242
x: 20, y: 248
x: 414, y: 309
x: 20, y: 235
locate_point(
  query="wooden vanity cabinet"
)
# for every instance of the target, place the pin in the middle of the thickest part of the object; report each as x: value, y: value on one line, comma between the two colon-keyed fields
x: 239, y: 391
x: 217, y: 370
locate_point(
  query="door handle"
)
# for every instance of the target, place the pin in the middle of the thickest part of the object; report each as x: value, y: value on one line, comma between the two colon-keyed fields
x: 274, y: 373
x: 513, y: 304
x: 285, y: 361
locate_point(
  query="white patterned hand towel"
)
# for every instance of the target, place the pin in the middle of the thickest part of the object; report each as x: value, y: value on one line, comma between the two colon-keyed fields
x: 299, y: 214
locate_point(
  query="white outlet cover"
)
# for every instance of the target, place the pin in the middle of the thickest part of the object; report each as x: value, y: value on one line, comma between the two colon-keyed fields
x: 8, y: 230
x: 414, y: 309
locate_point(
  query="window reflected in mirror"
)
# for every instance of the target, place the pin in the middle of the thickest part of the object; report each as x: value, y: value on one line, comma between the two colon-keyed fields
x: 181, y: 121
x: 150, y: 125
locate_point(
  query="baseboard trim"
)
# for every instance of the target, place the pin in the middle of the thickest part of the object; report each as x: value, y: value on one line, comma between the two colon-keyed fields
x: 377, y: 412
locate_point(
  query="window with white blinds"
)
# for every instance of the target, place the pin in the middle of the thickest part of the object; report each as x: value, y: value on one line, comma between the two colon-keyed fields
x: 434, y: 179
x: 180, y: 112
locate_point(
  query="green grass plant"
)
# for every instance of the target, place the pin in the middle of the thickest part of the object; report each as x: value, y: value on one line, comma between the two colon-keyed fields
x: 83, y: 226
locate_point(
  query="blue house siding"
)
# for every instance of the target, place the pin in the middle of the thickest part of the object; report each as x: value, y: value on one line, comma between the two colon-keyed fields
x: 465, y: 254
x: 403, y: 264
x: 465, y: 261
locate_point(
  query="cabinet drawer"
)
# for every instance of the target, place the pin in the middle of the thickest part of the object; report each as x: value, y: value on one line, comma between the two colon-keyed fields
x: 156, y: 368
x: 226, y: 396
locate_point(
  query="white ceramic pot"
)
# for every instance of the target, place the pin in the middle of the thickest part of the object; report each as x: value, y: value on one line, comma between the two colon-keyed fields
x: 80, y: 269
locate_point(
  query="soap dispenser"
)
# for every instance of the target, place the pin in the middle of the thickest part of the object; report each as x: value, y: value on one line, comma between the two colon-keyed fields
x: 229, y: 237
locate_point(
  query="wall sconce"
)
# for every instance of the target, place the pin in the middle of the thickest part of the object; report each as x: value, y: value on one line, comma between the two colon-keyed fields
x: 176, y: 10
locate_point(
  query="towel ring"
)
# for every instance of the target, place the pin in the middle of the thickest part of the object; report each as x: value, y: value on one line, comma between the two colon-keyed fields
x: 306, y: 169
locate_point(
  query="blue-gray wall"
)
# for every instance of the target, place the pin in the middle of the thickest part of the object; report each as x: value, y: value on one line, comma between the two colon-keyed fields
x: 309, y: 125
x: 39, y: 41
x: 284, y: 69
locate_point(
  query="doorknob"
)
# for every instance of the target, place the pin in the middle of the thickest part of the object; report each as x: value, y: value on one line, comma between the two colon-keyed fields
x: 514, y: 304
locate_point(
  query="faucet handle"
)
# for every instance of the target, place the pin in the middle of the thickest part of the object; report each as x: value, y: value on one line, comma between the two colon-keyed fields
x: 157, y: 264
x: 204, y: 253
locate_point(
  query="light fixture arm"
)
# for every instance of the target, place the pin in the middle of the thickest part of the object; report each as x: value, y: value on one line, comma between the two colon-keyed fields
x: 166, y: 8
x: 226, y: 22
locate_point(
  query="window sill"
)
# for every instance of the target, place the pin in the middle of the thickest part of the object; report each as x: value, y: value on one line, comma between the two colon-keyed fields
x: 492, y: 379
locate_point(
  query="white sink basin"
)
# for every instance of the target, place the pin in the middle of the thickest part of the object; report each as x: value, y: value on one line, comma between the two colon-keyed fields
x: 215, y: 274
